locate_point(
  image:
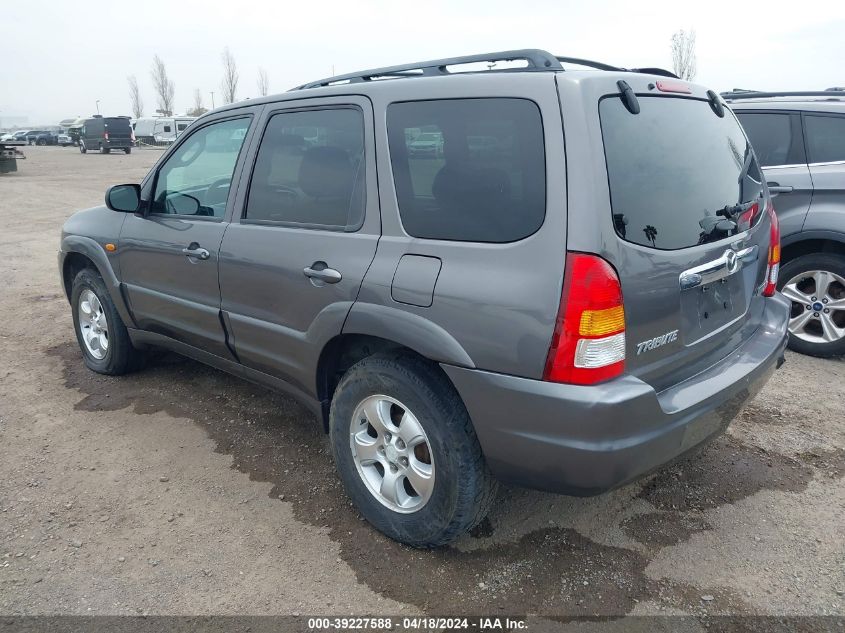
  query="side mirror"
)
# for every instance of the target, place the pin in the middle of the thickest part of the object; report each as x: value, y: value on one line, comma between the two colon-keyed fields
x: 124, y: 198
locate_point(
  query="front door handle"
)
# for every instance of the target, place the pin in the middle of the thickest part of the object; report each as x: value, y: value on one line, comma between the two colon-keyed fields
x: 320, y: 272
x: 194, y: 250
x: 776, y: 188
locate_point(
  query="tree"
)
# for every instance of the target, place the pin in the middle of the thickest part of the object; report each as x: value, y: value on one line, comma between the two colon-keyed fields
x: 230, y: 76
x: 135, y: 97
x: 164, y: 87
x: 263, y: 82
x: 199, y: 109
x: 683, y: 54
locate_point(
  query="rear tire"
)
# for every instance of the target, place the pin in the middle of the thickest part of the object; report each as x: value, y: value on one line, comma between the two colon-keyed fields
x: 104, y: 150
x: 100, y: 332
x: 42, y: 142
x: 406, y: 393
x: 128, y: 150
x: 800, y: 280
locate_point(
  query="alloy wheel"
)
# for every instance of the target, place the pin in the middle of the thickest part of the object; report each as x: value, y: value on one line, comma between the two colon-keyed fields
x: 392, y: 453
x: 93, y: 325
x: 818, y: 306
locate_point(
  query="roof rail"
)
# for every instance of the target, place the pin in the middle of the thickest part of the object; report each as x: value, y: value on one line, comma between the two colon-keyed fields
x: 754, y: 94
x: 537, y: 60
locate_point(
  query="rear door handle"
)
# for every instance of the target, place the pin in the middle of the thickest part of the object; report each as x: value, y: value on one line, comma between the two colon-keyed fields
x: 776, y: 188
x: 194, y: 250
x: 319, y: 271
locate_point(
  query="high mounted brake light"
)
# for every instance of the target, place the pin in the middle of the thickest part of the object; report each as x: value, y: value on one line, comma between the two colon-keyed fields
x: 588, y: 344
x: 673, y: 86
x: 773, y: 266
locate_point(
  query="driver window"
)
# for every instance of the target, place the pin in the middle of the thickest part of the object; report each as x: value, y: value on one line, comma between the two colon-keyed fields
x: 195, y: 179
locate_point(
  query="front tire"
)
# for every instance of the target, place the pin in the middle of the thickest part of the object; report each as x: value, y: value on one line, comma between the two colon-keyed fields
x: 82, y: 148
x: 815, y: 284
x: 100, y: 332
x: 406, y: 451
x: 128, y: 150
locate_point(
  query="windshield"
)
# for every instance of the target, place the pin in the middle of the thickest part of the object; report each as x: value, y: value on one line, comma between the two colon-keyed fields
x: 679, y: 175
x: 428, y: 137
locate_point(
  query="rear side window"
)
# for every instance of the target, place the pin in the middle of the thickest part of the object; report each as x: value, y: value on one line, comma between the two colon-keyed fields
x: 771, y: 135
x: 825, y: 138
x: 468, y: 169
x: 310, y: 170
x: 679, y: 175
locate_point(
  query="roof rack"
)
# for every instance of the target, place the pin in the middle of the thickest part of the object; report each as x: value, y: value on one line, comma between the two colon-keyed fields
x: 833, y: 95
x: 537, y: 60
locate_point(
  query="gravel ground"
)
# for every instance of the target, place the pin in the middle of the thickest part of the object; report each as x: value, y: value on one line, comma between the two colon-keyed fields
x: 182, y: 490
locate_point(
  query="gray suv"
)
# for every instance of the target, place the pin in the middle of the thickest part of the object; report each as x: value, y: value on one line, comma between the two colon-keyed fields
x: 567, y: 306
x: 799, y: 138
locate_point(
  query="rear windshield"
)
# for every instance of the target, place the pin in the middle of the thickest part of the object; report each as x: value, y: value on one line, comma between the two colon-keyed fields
x: 117, y: 124
x: 679, y: 175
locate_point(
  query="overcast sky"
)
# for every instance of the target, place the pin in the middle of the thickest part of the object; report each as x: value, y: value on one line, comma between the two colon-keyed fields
x: 60, y: 58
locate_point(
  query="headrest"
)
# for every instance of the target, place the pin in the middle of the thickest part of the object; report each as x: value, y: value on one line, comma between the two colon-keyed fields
x: 326, y: 172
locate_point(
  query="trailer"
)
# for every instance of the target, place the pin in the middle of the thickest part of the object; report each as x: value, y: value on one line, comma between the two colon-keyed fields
x: 9, y: 155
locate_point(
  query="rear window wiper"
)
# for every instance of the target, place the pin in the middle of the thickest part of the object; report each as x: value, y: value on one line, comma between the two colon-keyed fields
x: 732, y: 212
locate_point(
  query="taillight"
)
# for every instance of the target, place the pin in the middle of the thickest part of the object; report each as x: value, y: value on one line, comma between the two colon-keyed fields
x: 106, y: 135
x: 588, y: 344
x: 773, y: 266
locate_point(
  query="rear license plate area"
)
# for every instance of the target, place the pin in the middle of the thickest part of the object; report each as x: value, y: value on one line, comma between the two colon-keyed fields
x: 709, y: 308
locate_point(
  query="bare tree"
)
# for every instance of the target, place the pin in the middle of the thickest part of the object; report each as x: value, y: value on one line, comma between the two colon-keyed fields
x: 683, y: 54
x: 164, y: 87
x: 263, y: 82
x: 230, y: 76
x: 199, y: 109
x: 135, y: 99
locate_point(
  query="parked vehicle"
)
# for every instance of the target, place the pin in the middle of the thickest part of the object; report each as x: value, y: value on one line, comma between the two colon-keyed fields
x: 32, y: 136
x: 158, y: 130
x: 551, y: 314
x: 74, y: 130
x: 105, y: 134
x: 426, y: 144
x: 46, y: 138
x: 64, y: 139
x: 799, y: 138
x: 20, y: 135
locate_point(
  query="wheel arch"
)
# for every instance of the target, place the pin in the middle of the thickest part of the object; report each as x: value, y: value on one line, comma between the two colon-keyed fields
x: 344, y: 350
x: 812, y: 242
x: 79, y: 253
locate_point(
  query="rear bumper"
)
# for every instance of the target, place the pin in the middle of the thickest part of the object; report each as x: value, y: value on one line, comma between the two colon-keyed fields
x: 586, y: 440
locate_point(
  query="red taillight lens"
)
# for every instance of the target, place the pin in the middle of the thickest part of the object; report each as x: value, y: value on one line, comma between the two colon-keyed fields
x: 588, y: 345
x: 773, y: 266
x: 106, y: 135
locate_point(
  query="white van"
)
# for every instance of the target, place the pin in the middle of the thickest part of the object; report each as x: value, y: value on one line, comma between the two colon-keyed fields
x: 158, y: 130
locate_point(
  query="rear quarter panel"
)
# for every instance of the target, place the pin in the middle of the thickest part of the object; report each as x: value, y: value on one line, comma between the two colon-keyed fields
x: 498, y: 302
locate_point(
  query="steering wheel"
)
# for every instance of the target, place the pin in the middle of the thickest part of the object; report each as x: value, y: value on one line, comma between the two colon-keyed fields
x: 286, y: 191
x: 217, y: 192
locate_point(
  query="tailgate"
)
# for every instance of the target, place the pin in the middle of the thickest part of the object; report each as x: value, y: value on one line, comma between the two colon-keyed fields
x: 688, y: 231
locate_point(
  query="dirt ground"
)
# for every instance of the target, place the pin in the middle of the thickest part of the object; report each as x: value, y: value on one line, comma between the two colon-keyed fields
x: 182, y: 490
